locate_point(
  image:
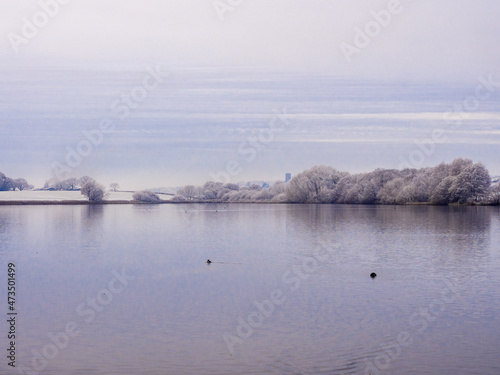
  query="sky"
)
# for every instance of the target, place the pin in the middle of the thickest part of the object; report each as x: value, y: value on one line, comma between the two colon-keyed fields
x: 247, y: 60
x: 431, y: 39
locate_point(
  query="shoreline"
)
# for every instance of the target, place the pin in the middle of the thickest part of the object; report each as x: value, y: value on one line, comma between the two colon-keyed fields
x: 123, y: 202
x: 69, y: 203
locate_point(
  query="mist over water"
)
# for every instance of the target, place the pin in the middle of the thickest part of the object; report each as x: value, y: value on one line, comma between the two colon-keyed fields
x: 197, y: 120
x: 173, y: 312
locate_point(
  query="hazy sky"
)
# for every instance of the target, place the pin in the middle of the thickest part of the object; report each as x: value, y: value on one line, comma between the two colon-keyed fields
x: 447, y: 43
x: 433, y: 39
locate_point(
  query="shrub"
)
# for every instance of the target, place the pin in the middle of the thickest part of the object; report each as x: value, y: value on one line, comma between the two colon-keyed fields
x: 146, y: 196
x: 94, y: 191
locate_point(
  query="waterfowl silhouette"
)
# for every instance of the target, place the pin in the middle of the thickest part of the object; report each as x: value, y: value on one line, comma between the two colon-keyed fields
x: 209, y: 261
x: 373, y: 275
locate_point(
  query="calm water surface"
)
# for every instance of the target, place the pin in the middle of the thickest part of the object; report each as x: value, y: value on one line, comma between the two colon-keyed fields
x: 432, y: 309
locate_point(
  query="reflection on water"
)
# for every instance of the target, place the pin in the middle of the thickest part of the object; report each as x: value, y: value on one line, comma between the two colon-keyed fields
x: 172, y: 316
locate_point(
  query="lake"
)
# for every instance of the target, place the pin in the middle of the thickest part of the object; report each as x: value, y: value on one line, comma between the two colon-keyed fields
x: 127, y: 290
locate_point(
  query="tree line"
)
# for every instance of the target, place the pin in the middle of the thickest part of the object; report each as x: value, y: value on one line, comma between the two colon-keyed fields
x: 460, y: 182
x: 69, y: 184
x: 7, y: 184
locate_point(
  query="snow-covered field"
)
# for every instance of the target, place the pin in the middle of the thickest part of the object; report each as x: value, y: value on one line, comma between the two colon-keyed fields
x: 61, y: 196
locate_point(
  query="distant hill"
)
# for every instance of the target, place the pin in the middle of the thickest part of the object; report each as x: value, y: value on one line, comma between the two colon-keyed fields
x: 166, y: 190
x: 263, y: 184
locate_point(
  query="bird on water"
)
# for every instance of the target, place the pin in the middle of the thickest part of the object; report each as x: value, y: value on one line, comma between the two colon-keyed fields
x: 373, y: 275
x: 209, y: 261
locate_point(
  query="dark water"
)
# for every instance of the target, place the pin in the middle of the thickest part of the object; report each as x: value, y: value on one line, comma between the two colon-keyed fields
x: 432, y: 309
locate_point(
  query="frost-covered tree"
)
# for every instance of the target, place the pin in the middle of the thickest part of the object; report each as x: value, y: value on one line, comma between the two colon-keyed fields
x: 114, y: 186
x: 436, y: 176
x: 146, y: 196
x: 72, y: 183
x: 494, y: 194
x: 61, y: 185
x: 461, y: 181
x: 219, y: 192
x: 22, y: 184
x: 277, y: 191
x: 363, y: 188
x: 189, y: 192
x: 298, y: 189
x: 210, y: 190
x: 390, y: 192
x: 314, y: 185
x: 458, y: 165
x: 94, y: 191
x: 230, y: 192
x: 84, y: 179
x: 233, y: 187
x: 5, y: 183
x: 363, y: 192
x: 68, y: 184
x: 471, y: 185
x: 442, y: 195
x: 415, y: 187
x: 10, y: 184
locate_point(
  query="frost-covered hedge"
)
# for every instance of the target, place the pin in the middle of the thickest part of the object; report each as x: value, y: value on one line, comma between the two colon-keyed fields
x: 146, y: 196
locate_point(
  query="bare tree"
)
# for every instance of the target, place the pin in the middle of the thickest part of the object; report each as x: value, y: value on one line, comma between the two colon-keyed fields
x: 114, y: 186
x: 94, y: 191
